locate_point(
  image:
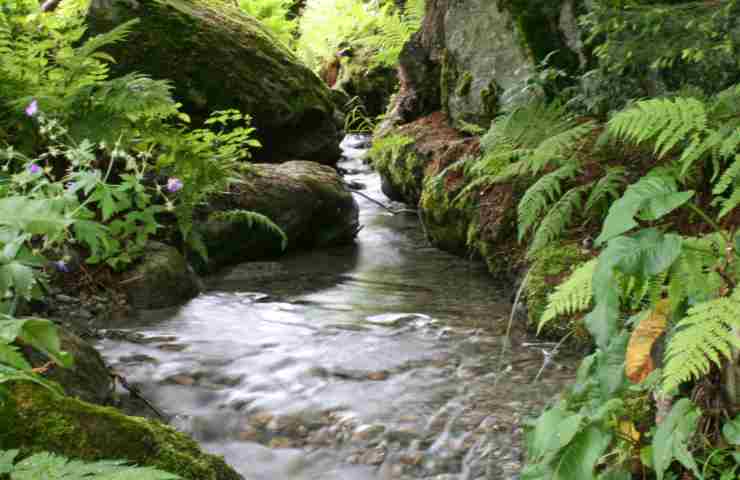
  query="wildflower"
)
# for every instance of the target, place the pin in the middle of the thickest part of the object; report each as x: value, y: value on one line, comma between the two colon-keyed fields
x: 61, y: 266
x: 174, y: 184
x: 32, y: 108
x: 34, y: 169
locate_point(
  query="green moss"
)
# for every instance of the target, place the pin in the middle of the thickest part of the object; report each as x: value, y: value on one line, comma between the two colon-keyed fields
x: 394, y: 157
x: 536, y: 21
x: 217, y: 57
x: 549, y: 268
x: 489, y: 97
x: 34, y: 420
x: 448, y: 77
x: 464, y: 82
x: 447, y: 225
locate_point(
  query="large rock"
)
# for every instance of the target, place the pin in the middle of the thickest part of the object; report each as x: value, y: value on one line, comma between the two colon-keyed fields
x: 217, y: 58
x: 161, y: 279
x: 413, y: 162
x: 308, y: 201
x: 469, y: 53
x: 89, y: 379
x: 33, y: 419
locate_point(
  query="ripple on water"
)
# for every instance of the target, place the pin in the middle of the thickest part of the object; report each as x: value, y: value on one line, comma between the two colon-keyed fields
x: 377, y: 361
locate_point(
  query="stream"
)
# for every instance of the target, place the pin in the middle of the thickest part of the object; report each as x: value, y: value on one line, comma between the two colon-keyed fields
x: 380, y: 360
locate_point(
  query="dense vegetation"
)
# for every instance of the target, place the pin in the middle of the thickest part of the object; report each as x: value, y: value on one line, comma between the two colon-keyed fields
x: 637, y: 157
x: 641, y: 155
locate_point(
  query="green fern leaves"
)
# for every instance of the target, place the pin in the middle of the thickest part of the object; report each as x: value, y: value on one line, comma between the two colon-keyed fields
x: 48, y: 466
x: 572, y: 296
x: 705, y: 336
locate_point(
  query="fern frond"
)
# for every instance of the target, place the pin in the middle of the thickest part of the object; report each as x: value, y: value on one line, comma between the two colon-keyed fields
x: 49, y: 466
x: 252, y: 220
x: 572, y: 296
x: 608, y: 187
x: 693, y: 275
x: 664, y: 121
x: 558, y: 147
x: 704, y: 337
x: 535, y: 200
x: 558, y: 218
x: 97, y: 42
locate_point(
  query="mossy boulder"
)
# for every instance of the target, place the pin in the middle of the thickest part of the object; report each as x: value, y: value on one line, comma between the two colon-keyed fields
x: 161, y: 279
x: 217, y: 57
x: 33, y: 419
x: 407, y: 154
x: 308, y: 201
x: 89, y: 379
x: 469, y: 54
x: 550, y: 267
x: 372, y: 84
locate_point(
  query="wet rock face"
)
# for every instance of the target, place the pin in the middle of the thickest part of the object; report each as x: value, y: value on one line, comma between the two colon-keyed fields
x: 219, y: 58
x: 468, y: 54
x: 161, y: 279
x: 308, y: 201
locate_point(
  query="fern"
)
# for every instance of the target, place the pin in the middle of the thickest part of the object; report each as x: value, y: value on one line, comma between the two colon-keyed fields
x: 664, y: 121
x: 252, y: 220
x: 48, y: 466
x: 537, y: 198
x: 572, y: 296
x: 607, y: 188
x: 558, y: 217
x: 704, y: 337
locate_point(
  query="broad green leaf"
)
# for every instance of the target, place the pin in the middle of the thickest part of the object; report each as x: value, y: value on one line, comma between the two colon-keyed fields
x: 9, y: 356
x: 650, y: 198
x: 536, y: 471
x: 36, y: 217
x: 731, y: 431
x: 672, y: 437
x: 610, y: 366
x: 18, y: 276
x: 542, y: 439
x: 6, y: 460
x: 9, y: 374
x: 615, y: 475
x: 42, y: 335
x: 580, y: 457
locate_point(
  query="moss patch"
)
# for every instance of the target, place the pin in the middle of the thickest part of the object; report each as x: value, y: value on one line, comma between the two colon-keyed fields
x: 35, y: 420
x: 551, y: 266
x: 218, y: 57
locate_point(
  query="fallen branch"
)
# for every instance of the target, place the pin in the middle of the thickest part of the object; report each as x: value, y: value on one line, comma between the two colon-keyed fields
x: 135, y: 392
x: 379, y: 203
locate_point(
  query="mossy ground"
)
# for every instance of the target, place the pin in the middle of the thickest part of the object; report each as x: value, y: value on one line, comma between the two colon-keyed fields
x: 550, y: 267
x: 33, y: 419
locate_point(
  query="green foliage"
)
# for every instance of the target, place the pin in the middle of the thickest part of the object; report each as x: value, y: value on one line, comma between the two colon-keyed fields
x: 274, y: 14
x: 327, y: 26
x: 672, y: 438
x: 705, y: 336
x: 47, y: 58
x: 523, y: 143
x: 253, y: 220
x: 572, y: 296
x: 48, y: 466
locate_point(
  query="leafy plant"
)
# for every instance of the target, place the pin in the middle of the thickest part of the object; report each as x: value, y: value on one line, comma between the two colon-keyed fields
x: 48, y: 466
x: 275, y: 15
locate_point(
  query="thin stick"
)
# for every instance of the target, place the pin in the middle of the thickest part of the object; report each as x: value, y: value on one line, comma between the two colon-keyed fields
x: 136, y: 393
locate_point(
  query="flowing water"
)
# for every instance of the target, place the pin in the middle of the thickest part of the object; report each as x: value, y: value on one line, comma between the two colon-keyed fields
x: 375, y: 361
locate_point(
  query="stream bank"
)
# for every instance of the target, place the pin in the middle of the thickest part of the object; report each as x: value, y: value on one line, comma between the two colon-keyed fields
x: 380, y: 360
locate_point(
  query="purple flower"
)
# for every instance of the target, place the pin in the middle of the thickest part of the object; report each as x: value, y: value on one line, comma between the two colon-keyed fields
x: 34, y: 169
x: 32, y: 108
x: 174, y: 184
x: 61, y: 266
